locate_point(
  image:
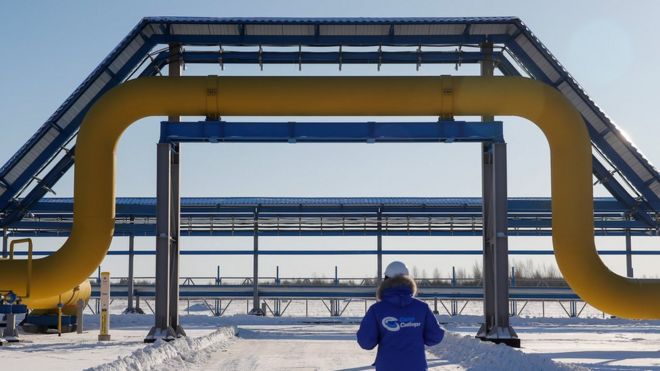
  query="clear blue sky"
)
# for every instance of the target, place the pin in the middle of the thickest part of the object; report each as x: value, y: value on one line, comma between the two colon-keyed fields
x: 608, y: 46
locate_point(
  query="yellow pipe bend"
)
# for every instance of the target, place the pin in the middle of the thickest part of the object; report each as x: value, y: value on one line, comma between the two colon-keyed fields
x: 572, y: 208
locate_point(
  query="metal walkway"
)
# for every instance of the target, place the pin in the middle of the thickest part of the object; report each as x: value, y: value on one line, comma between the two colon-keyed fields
x: 328, y: 291
x: 327, y: 216
x: 48, y: 154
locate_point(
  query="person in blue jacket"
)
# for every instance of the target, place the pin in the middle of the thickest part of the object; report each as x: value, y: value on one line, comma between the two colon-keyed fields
x: 399, y: 324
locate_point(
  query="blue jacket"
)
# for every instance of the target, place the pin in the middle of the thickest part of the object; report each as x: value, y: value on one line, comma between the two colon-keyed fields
x: 400, y: 325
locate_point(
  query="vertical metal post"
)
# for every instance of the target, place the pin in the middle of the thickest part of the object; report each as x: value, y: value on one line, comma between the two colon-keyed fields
x: 174, y: 70
x: 98, y: 282
x: 131, y: 272
x: 256, y: 309
x: 379, y: 255
x: 5, y: 238
x: 218, y: 306
x: 334, y: 303
x: 277, y: 303
x: 80, y: 317
x: 175, y: 213
x: 9, y: 333
x: 131, y: 275
x: 629, y: 266
x: 514, y: 303
x: 495, y: 242
x: 162, y: 328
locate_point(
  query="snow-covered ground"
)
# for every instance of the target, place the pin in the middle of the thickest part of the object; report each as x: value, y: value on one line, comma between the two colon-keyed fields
x: 325, y: 343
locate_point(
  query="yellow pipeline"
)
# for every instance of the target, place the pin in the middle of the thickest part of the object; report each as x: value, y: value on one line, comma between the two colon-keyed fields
x: 94, y: 182
x: 69, y: 300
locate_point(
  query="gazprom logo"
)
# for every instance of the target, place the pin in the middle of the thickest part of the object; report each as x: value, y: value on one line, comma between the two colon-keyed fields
x: 391, y: 324
x: 395, y: 324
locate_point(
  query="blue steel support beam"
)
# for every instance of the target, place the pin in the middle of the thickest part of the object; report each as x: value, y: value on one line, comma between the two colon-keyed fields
x: 292, y: 132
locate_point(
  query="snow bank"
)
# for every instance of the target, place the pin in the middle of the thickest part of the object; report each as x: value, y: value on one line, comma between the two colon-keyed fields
x: 474, y: 354
x: 154, y: 355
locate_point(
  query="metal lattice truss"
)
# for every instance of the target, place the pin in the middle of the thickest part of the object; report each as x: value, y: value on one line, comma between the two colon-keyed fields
x: 49, y: 153
x: 326, y: 217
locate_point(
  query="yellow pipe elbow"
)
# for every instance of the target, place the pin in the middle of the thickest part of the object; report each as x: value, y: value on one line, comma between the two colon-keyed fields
x: 572, y: 193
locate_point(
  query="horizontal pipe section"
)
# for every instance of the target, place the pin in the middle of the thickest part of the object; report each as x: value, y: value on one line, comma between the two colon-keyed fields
x: 560, y: 122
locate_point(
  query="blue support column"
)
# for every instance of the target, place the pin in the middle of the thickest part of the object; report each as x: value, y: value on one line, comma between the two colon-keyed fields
x: 379, y: 248
x: 496, y: 326
x: 256, y: 309
x: 218, y: 303
x: 629, y: 265
x: 5, y: 238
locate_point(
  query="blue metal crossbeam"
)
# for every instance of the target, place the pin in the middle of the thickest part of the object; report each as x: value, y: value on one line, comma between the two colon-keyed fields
x: 369, y: 132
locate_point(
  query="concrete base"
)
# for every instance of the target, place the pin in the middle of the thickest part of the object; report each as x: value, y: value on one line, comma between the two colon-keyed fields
x: 180, y: 332
x: 257, y: 312
x: 133, y: 311
x: 499, y: 335
x: 104, y: 337
x: 166, y: 334
x: 512, y: 342
x: 10, y: 333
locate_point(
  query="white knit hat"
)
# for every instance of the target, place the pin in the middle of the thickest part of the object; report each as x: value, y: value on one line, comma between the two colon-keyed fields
x: 396, y: 268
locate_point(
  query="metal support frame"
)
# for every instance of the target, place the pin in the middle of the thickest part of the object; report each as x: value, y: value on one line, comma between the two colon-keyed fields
x: 175, y: 67
x: 629, y: 265
x: 277, y: 303
x: 167, y: 325
x: 162, y: 328
x: 131, y: 307
x: 131, y: 273
x: 256, y: 308
x: 10, y: 332
x: 5, y: 240
x: 379, y: 248
x: 217, y: 302
x: 335, y: 307
x: 496, y: 326
x: 541, y: 66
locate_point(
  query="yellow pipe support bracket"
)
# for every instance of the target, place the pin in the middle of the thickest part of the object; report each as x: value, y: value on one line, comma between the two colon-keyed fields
x: 570, y: 149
